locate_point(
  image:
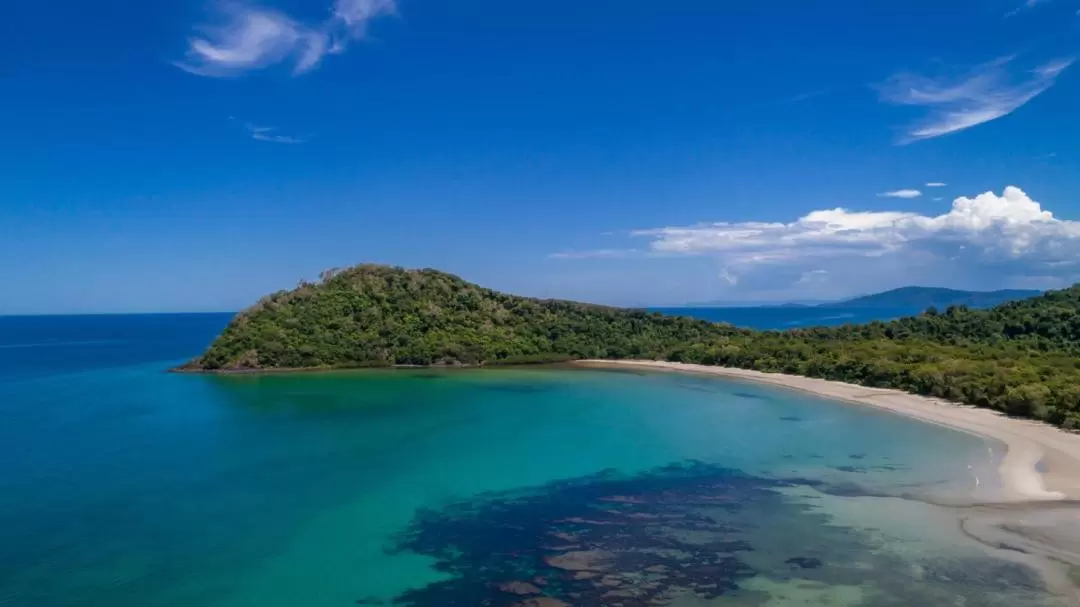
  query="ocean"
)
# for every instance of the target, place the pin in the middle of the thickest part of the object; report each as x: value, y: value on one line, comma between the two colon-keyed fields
x: 125, y: 486
x: 781, y: 318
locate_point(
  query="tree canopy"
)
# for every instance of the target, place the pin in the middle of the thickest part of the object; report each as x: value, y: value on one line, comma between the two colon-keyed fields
x: 1022, y: 357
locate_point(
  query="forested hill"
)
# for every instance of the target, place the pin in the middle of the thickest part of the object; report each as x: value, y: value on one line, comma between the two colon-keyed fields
x: 1050, y: 321
x: 922, y: 298
x: 378, y: 316
x: 1022, y: 357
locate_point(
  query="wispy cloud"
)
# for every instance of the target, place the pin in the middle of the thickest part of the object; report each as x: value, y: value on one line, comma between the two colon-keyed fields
x: 955, y: 103
x: 901, y: 194
x: 801, y: 97
x: 270, y: 134
x: 355, y: 14
x: 245, y: 37
x: 1027, y: 5
x: 936, y: 184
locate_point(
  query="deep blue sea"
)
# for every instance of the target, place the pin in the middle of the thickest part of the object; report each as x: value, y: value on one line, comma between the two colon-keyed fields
x: 122, y: 485
x: 34, y: 346
x: 791, y: 317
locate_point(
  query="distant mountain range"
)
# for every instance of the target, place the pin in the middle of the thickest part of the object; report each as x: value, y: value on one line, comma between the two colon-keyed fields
x: 903, y: 298
x: 936, y: 297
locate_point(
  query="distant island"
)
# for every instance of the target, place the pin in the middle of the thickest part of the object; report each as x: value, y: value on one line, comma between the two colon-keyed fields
x: 1021, y: 357
x: 904, y: 298
x: 924, y: 298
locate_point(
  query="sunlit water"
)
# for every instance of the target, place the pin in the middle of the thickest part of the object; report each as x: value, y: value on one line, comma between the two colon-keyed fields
x: 126, y: 486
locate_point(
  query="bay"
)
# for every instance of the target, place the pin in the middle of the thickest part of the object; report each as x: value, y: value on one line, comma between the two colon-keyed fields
x: 123, y: 485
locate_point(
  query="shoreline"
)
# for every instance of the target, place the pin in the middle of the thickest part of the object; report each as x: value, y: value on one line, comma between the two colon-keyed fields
x: 1041, y: 462
x: 326, y: 369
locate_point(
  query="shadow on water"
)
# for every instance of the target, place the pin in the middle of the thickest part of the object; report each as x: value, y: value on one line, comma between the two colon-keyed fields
x: 684, y: 533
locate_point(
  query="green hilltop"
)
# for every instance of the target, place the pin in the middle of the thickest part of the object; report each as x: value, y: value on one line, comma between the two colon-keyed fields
x: 1021, y: 358
x: 379, y: 316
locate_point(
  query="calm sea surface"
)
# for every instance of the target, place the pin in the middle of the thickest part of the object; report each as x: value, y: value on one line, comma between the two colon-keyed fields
x: 124, y: 486
x: 791, y: 318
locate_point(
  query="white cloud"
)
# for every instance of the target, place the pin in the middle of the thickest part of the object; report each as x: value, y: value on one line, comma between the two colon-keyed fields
x: 728, y: 277
x: 936, y: 184
x: 1010, y: 225
x: 989, y: 241
x: 987, y: 92
x: 901, y: 194
x: 267, y: 133
x: 813, y: 277
x: 248, y: 38
x: 1027, y: 5
x: 355, y: 14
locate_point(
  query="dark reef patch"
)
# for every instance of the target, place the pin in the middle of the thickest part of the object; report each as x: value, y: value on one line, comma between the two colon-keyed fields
x: 601, y: 540
x: 804, y: 562
x: 851, y: 469
x: 702, y: 387
x: 518, y: 388
x: 693, y: 530
x: 750, y: 395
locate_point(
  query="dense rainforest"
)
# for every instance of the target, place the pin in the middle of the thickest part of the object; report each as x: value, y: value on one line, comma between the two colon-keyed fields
x: 1021, y: 358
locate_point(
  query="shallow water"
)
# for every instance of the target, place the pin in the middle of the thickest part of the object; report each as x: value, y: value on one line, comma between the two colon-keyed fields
x: 125, y: 486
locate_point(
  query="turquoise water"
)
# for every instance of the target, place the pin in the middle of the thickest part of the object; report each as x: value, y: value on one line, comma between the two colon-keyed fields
x: 126, y: 486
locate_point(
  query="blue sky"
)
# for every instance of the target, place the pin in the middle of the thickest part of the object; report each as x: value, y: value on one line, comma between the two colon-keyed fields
x: 196, y: 155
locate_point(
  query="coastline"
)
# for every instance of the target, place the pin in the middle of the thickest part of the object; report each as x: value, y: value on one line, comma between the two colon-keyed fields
x: 319, y: 369
x: 1041, y: 463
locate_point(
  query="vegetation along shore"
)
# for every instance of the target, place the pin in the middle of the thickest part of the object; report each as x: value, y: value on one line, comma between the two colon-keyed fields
x: 1021, y: 358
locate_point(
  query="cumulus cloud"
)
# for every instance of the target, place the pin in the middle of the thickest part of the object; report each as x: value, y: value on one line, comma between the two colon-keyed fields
x: 1010, y: 232
x: 901, y: 194
x: 986, y: 241
x: 958, y: 102
x: 246, y: 37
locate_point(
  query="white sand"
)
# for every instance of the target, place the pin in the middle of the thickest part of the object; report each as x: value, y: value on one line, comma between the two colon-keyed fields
x: 1028, y: 442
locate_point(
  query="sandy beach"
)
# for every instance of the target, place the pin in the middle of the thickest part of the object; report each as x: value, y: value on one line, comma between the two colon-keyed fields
x: 1042, y: 462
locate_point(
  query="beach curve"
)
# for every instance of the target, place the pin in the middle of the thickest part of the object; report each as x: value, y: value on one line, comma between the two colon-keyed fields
x: 1041, y: 463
